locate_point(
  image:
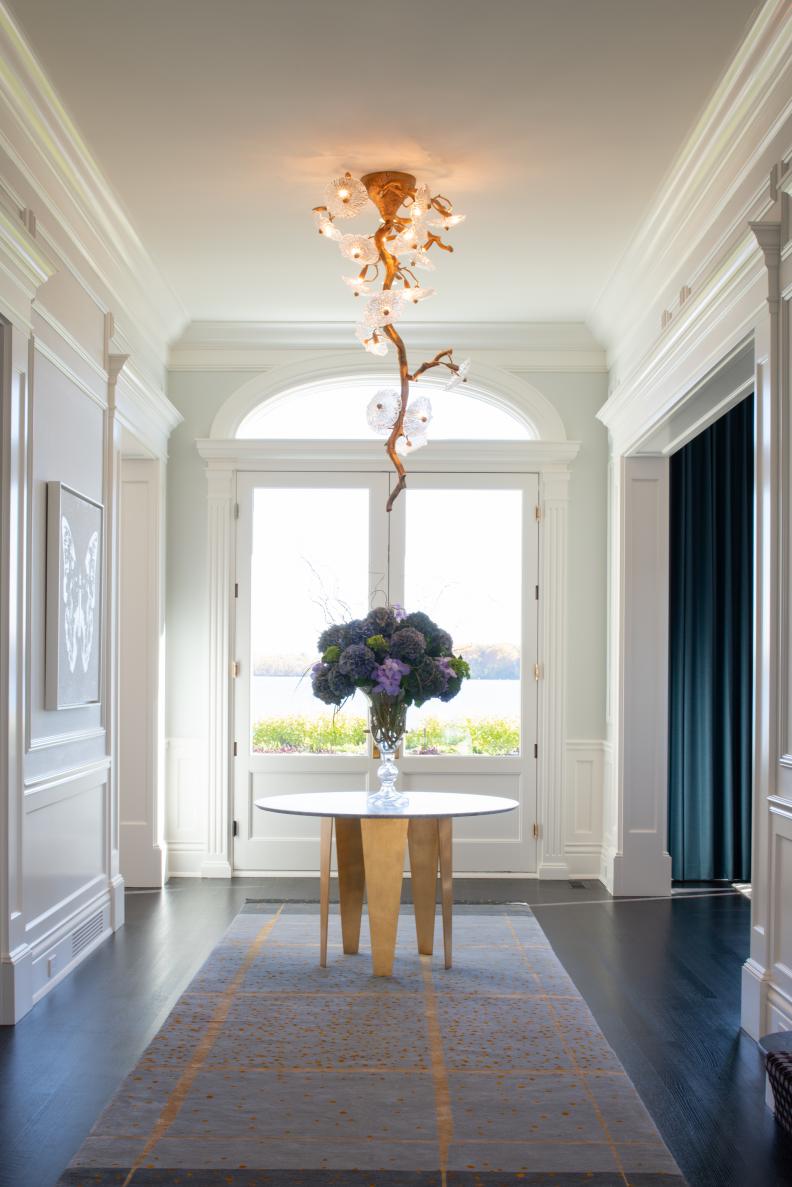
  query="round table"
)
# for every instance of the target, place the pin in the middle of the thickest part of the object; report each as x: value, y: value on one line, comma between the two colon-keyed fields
x: 370, y: 844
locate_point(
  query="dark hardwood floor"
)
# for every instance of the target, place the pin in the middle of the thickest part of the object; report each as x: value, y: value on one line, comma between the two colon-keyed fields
x: 662, y: 978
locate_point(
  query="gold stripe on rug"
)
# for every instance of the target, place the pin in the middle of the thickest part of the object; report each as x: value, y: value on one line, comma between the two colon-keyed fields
x: 214, y: 1027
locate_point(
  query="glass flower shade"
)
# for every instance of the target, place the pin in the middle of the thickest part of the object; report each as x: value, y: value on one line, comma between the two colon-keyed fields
x: 384, y: 308
x: 371, y: 340
x: 382, y: 411
x: 421, y: 259
x: 345, y: 196
x: 422, y: 203
x: 458, y: 376
x: 418, y: 416
x: 409, y: 442
x: 447, y: 220
x: 325, y: 225
x: 412, y: 238
x: 357, y: 285
x: 359, y: 248
x: 418, y: 294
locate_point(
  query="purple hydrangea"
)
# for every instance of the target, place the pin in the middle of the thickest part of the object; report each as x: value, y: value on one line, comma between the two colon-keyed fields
x: 379, y: 621
x: 399, y: 613
x: 340, y: 684
x: 332, y: 636
x: 443, y: 664
x: 440, y: 643
x: 407, y: 644
x: 388, y: 676
x: 357, y: 661
x: 321, y: 685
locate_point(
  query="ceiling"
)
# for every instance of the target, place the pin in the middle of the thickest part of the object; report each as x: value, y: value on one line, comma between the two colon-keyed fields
x: 550, y: 123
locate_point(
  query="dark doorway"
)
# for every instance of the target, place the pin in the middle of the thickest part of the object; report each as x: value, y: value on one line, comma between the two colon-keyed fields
x: 711, y: 651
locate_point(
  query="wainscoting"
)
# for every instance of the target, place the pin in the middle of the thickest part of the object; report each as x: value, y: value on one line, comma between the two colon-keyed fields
x: 188, y: 805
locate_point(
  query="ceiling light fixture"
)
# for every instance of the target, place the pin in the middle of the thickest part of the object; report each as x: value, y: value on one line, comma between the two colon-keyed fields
x: 410, y: 217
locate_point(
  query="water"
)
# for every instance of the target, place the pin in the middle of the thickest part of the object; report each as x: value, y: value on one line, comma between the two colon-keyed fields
x: 288, y: 696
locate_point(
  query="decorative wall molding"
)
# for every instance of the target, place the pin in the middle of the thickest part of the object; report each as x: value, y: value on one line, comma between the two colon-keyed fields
x: 81, y: 224
x: 553, y: 600
x: 722, y: 178
x: 584, y: 767
x: 25, y: 266
x: 257, y: 346
x: 222, y: 540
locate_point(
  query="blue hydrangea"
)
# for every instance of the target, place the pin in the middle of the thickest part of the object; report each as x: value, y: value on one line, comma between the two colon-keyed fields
x: 357, y: 662
x: 408, y: 644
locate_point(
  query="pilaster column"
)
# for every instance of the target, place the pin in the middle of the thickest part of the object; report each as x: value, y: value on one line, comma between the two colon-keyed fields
x: 639, y: 863
x: 217, y: 863
x: 771, y: 821
x: 554, y: 498
x: 115, y: 364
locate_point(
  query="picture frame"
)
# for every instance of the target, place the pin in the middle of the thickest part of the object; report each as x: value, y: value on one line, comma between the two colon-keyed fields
x: 73, y: 599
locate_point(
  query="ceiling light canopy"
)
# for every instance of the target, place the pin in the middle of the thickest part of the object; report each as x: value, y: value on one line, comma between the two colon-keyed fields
x: 409, y: 226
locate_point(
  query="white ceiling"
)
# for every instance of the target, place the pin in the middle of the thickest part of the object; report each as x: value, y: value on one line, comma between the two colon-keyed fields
x: 551, y: 123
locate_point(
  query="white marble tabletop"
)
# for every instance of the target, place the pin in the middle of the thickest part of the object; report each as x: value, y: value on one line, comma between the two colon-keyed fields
x: 356, y: 804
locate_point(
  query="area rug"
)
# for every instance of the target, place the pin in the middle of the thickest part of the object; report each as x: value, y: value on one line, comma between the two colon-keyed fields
x: 274, y: 1072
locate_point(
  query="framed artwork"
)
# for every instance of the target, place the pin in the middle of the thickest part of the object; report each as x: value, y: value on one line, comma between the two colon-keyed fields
x: 73, y: 647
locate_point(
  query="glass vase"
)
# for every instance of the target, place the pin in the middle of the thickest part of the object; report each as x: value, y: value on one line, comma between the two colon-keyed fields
x: 388, y: 716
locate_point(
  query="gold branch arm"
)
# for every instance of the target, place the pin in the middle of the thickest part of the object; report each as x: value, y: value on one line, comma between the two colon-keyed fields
x: 443, y: 359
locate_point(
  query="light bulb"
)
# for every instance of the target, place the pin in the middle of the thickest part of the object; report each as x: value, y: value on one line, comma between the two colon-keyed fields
x: 418, y: 294
x: 325, y: 225
x: 384, y: 308
x: 346, y: 196
x: 452, y: 220
x: 359, y: 248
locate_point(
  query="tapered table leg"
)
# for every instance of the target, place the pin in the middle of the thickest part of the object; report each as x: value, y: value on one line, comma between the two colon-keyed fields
x: 422, y: 839
x: 444, y: 829
x: 351, y: 879
x: 383, y: 856
x: 325, y: 846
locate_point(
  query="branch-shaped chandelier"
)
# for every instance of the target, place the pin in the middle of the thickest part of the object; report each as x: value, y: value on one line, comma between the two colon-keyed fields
x: 409, y: 225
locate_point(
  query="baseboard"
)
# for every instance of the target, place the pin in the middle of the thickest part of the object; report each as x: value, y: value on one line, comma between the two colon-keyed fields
x: 214, y: 867
x: 30, y: 973
x: 185, y: 859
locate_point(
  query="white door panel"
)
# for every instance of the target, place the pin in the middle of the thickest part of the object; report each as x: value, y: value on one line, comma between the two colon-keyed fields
x: 463, y: 548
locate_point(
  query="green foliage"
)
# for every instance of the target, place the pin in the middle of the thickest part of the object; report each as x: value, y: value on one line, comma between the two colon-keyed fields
x: 327, y: 734
x: 332, y: 654
x: 471, y: 735
x: 342, y: 734
x: 377, y: 643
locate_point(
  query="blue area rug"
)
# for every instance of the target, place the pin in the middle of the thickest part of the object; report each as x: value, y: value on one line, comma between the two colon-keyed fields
x: 273, y: 1071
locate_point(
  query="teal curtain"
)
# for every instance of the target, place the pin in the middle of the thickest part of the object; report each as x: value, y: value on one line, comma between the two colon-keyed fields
x: 710, y: 651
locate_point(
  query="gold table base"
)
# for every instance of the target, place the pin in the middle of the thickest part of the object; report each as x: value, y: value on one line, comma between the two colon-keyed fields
x: 370, y: 854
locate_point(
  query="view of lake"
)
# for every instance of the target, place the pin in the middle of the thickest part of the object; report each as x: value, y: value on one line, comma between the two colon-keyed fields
x: 287, y: 696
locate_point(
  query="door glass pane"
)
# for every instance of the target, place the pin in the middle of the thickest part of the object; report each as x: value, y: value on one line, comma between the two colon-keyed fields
x: 463, y: 567
x: 310, y: 567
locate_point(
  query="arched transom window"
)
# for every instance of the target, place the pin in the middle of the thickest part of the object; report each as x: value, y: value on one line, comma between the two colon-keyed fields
x: 337, y: 411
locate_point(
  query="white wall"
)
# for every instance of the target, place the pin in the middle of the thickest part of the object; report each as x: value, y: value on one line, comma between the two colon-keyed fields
x: 705, y: 286
x: 198, y: 394
x: 79, y: 368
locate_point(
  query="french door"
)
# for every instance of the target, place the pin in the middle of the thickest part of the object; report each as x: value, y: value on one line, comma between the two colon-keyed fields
x: 314, y: 548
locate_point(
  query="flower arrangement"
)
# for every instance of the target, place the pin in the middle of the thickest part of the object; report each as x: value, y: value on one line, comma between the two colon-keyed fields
x: 392, y: 654
x: 396, y: 659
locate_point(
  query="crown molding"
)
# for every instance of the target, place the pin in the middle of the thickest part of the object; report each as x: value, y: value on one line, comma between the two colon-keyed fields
x: 254, y: 346
x: 724, y: 176
x: 79, y: 218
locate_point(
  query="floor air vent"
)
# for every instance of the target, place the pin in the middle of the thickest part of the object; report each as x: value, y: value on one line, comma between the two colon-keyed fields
x: 86, y: 933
